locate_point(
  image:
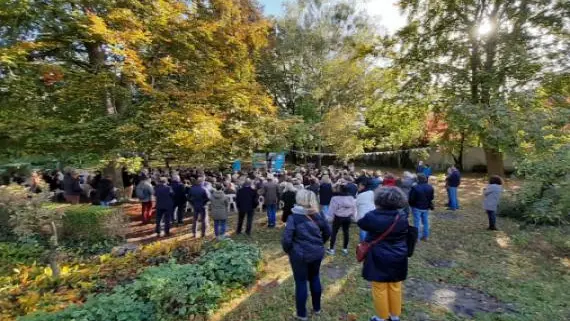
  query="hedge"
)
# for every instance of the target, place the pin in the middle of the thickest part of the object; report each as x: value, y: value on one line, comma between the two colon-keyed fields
x: 170, y: 291
x: 93, y: 224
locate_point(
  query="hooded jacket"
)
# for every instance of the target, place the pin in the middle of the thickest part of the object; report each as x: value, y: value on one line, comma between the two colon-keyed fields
x: 343, y: 206
x: 219, y: 206
x: 421, y: 196
x: 304, y: 237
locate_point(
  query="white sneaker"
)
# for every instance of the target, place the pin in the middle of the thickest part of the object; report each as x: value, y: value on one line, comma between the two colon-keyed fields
x: 345, y: 251
x: 330, y: 252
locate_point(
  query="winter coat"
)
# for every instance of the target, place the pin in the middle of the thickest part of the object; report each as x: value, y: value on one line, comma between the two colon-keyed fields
x: 352, y: 189
x: 342, y: 206
x: 179, y: 190
x: 387, y: 261
x: 106, y: 190
x: 421, y: 196
x: 144, y: 191
x: 164, y: 199
x: 198, y: 196
x: 405, y: 184
x: 314, y: 188
x: 375, y: 182
x: 71, y: 185
x: 288, y: 199
x: 219, y: 206
x: 492, y: 194
x: 454, y: 179
x: 246, y: 199
x: 325, y: 194
x: 304, y: 238
x: 270, y: 193
x: 364, y: 203
x: 427, y: 171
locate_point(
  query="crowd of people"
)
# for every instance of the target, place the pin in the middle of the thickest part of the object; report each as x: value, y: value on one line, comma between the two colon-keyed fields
x: 316, y: 204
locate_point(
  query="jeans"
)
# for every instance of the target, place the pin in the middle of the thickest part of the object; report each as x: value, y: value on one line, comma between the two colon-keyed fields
x: 146, y: 211
x: 453, y: 201
x: 421, y: 216
x: 220, y: 227
x: 339, y: 222
x: 303, y: 273
x: 241, y: 217
x: 199, y: 214
x: 105, y: 204
x: 325, y: 210
x: 180, y: 209
x: 492, y: 218
x: 363, y: 235
x: 271, y: 215
x: 163, y: 214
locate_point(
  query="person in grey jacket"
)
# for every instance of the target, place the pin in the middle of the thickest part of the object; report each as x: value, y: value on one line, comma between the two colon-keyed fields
x: 492, y: 196
x: 219, y: 211
x: 270, y: 192
x: 144, y: 192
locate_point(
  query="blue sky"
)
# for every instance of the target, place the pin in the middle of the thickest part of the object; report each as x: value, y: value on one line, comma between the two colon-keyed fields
x: 384, y: 12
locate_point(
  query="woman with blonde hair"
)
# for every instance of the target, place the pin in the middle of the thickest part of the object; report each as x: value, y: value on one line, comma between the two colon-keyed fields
x: 304, y: 241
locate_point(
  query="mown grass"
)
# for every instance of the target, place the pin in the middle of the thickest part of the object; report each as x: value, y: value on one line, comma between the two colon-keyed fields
x: 526, y: 266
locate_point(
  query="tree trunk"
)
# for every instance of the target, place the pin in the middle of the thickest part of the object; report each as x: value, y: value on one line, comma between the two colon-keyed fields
x: 113, y: 170
x: 495, y: 163
x: 52, y: 256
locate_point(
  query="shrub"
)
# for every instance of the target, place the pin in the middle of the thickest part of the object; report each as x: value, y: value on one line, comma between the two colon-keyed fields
x: 170, y: 291
x: 93, y: 224
x: 13, y: 254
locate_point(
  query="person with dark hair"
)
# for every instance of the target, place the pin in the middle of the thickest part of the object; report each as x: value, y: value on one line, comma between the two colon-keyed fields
x: 343, y: 210
x: 270, y: 192
x: 180, y: 200
x: 453, y: 180
x: 325, y: 194
x: 386, y: 264
x: 144, y: 192
x: 128, y: 182
x: 106, y: 191
x: 352, y: 188
x: 198, y: 197
x: 72, y: 188
x: 421, y: 201
x: 164, y: 205
x: 246, y: 201
x: 492, y: 196
x: 219, y: 210
x: 288, y: 198
x: 364, y: 202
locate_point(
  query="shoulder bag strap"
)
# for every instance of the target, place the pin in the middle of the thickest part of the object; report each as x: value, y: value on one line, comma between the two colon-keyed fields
x: 387, y: 232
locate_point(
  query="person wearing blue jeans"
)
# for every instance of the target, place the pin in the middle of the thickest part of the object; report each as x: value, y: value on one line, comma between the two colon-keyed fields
x: 453, y: 180
x: 220, y: 228
x: 421, y: 201
x: 304, y: 238
x: 271, y: 215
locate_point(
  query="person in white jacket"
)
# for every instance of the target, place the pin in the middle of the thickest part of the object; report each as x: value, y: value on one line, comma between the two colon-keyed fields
x: 343, y: 210
x: 364, y: 202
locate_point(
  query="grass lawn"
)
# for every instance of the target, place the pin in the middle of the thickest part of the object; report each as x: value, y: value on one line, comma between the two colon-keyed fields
x: 463, y: 272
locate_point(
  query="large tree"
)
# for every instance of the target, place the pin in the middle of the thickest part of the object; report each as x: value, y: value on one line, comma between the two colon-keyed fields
x: 477, y: 53
x: 100, y: 77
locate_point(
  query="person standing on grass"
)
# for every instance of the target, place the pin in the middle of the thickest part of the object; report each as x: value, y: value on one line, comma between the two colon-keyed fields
x: 144, y: 192
x: 246, y: 201
x: 288, y: 198
x: 325, y: 194
x: 364, y: 202
x: 106, y: 191
x: 453, y: 181
x: 304, y: 240
x: 270, y: 192
x: 180, y: 200
x: 420, y: 168
x: 343, y: 211
x: 198, y: 197
x: 164, y: 205
x: 219, y: 211
x: 492, y: 196
x: 386, y: 264
x: 128, y: 181
x: 421, y: 201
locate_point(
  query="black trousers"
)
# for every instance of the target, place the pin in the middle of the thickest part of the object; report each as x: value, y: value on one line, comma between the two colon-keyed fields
x: 339, y: 222
x: 249, y: 223
x: 162, y: 214
x: 181, y: 207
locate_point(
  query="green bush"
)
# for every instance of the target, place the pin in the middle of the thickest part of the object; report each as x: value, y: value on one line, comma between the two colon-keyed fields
x: 93, y: 224
x: 13, y: 254
x: 170, y: 291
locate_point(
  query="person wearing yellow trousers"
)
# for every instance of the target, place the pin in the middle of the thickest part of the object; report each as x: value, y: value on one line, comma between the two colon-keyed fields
x: 386, y: 264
